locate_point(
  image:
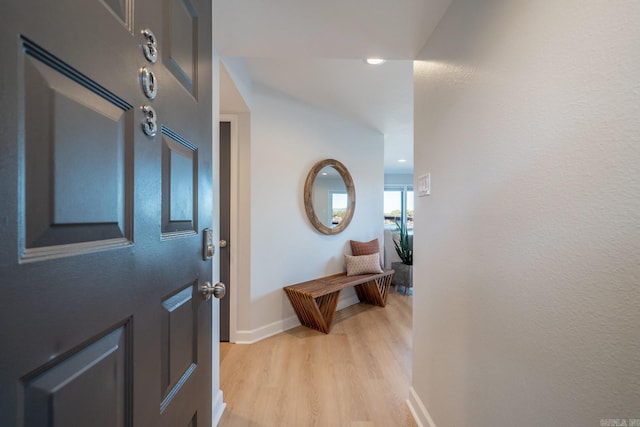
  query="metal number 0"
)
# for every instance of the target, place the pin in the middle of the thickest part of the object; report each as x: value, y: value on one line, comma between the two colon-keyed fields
x: 149, y: 83
x: 150, y: 48
x: 149, y: 124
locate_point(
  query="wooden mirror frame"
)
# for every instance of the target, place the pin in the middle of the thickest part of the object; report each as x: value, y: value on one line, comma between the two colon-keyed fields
x: 308, y: 196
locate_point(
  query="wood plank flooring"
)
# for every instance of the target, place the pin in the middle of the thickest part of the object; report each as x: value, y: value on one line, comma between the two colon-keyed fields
x: 356, y: 376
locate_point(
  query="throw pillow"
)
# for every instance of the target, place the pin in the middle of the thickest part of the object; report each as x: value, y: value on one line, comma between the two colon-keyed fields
x: 363, y: 264
x: 366, y: 248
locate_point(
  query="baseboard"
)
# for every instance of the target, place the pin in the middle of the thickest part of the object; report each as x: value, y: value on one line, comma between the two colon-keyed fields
x: 266, y: 331
x: 418, y: 410
x: 218, y: 408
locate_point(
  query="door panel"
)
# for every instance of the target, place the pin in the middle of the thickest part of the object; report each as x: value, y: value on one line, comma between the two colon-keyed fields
x: 179, y: 184
x: 64, y: 394
x: 63, y: 172
x: 122, y: 10
x: 101, y: 320
x: 179, y: 347
x: 181, y: 28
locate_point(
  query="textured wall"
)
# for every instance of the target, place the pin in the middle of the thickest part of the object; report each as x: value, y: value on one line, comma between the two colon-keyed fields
x: 527, y: 253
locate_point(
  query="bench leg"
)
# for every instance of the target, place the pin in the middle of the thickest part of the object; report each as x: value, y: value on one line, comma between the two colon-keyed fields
x: 315, y: 313
x: 374, y: 292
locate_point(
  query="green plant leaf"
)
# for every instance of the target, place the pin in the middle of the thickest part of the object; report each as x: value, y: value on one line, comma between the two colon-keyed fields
x: 403, y: 245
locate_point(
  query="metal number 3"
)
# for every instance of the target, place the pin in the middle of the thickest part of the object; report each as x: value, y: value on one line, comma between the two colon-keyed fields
x: 150, y: 48
x: 149, y: 125
x: 149, y: 83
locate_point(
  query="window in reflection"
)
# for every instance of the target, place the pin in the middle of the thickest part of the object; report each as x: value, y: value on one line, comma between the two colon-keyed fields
x: 338, y: 207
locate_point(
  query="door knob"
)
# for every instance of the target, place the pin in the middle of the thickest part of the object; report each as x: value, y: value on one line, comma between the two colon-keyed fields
x: 223, y: 243
x: 218, y: 290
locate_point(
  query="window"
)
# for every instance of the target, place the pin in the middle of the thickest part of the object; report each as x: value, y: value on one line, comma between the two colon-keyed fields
x: 398, y: 205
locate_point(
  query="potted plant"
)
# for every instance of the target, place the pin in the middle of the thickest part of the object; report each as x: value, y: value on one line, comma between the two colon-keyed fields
x: 404, y: 248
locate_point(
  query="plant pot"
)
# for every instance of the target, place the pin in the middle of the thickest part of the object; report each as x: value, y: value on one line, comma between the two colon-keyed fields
x: 403, y: 276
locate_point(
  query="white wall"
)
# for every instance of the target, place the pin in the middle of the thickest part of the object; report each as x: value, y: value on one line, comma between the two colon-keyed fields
x: 243, y: 202
x: 236, y: 89
x: 398, y: 179
x: 287, y: 139
x: 527, y: 253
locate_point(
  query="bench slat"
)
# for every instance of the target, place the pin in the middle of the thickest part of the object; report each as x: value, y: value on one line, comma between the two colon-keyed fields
x: 335, y: 282
x: 315, y: 301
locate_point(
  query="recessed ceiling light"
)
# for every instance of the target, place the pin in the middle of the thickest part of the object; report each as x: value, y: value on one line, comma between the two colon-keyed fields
x: 402, y: 160
x: 375, y: 61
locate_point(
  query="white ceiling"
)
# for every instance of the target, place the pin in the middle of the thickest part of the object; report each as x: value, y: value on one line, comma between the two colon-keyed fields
x: 313, y: 51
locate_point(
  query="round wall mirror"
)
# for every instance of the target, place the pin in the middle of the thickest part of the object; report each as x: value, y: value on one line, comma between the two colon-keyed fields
x: 329, y: 196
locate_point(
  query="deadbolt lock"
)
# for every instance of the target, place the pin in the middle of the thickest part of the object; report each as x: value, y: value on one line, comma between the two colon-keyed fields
x: 208, y: 249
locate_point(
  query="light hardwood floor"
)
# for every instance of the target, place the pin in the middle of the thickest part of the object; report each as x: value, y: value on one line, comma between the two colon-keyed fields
x: 356, y: 376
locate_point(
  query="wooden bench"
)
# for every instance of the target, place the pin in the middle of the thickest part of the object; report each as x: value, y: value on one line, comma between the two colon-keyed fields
x: 315, y: 301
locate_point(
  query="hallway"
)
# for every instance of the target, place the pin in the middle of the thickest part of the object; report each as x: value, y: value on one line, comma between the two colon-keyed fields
x: 358, y: 375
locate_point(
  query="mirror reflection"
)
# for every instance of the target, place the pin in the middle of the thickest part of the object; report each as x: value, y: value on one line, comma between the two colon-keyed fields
x: 329, y: 196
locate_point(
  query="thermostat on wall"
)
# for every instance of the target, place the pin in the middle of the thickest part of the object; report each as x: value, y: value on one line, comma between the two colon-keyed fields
x: 424, y: 185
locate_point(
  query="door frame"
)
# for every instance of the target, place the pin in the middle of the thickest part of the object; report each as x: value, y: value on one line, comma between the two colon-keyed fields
x: 233, y: 224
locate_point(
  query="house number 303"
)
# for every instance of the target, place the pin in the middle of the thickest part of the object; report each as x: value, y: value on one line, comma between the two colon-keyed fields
x: 149, y: 83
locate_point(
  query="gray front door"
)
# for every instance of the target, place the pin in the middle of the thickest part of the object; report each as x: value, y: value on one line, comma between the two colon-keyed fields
x: 105, y: 188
